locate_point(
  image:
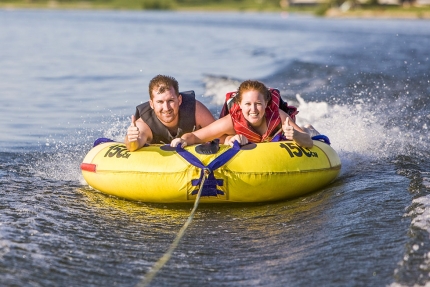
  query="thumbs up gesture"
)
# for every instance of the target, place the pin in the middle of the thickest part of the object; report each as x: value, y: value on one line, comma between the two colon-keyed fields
x: 288, y: 130
x: 133, y: 130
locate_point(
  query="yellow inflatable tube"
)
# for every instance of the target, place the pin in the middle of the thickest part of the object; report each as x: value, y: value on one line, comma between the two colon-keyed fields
x: 257, y: 173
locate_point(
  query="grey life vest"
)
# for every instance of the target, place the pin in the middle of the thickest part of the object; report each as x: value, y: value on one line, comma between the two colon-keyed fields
x: 186, y: 123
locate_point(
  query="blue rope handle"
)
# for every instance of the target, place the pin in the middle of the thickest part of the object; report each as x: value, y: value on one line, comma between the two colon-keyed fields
x: 323, y: 138
x: 216, y: 163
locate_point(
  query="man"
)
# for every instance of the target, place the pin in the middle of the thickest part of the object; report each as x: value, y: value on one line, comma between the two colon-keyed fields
x: 167, y: 115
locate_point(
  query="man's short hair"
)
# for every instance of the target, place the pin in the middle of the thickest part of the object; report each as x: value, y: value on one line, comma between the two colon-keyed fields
x: 161, y: 83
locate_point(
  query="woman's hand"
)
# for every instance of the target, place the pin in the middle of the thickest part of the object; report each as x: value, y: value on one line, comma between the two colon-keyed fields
x: 295, y: 133
x: 241, y: 139
x: 288, y: 130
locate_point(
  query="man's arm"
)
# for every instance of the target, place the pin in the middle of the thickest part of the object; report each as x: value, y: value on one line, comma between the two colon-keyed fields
x: 203, y: 116
x: 138, y: 134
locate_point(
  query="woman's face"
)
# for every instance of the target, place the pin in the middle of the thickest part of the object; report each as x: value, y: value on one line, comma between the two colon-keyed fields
x: 253, y: 107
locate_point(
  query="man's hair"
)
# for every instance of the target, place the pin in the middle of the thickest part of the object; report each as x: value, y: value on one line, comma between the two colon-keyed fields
x: 251, y: 85
x: 161, y: 83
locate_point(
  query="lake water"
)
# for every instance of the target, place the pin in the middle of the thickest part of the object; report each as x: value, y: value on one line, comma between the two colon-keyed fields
x: 69, y: 77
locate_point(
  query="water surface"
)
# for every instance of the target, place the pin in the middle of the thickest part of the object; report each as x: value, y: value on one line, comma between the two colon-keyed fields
x: 68, y: 78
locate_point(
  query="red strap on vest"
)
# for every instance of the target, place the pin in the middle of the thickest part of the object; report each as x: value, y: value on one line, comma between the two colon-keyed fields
x: 229, y: 98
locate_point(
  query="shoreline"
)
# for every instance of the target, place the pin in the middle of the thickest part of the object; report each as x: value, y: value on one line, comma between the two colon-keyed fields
x: 377, y: 12
x: 404, y: 14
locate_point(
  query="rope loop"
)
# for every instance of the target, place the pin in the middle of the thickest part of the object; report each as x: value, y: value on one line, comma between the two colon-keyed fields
x: 207, y: 171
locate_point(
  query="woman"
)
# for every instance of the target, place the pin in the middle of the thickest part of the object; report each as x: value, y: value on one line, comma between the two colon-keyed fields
x: 254, y: 117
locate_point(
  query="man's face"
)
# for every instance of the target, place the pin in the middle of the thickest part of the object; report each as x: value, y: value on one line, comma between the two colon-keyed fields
x: 166, y: 106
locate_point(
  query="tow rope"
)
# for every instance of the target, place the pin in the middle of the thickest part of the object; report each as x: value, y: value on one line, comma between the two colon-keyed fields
x: 206, y: 171
x: 163, y: 259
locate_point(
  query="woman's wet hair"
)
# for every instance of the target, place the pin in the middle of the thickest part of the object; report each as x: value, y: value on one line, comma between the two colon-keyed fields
x: 162, y: 83
x: 252, y: 85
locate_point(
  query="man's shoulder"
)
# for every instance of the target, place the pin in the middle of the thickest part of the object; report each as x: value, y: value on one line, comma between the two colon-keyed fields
x: 143, y: 105
x: 143, y: 111
x: 203, y: 115
x: 200, y: 107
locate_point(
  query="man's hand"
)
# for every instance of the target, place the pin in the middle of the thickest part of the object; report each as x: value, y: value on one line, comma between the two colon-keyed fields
x: 133, y: 131
x: 241, y: 139
x: 178, y: 141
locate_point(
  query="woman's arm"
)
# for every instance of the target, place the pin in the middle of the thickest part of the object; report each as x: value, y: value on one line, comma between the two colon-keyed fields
x: 294, y: 132
x: 215, y: 130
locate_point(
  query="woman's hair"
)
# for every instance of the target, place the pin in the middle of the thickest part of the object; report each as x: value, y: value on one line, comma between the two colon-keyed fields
x: 251, y: 85
x: 161, y: 83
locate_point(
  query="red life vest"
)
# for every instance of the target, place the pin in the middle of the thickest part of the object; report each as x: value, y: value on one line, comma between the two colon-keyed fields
x: 240, y: 124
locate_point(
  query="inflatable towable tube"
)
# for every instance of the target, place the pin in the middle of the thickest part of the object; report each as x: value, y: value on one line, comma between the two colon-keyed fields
x: 251, y: 173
